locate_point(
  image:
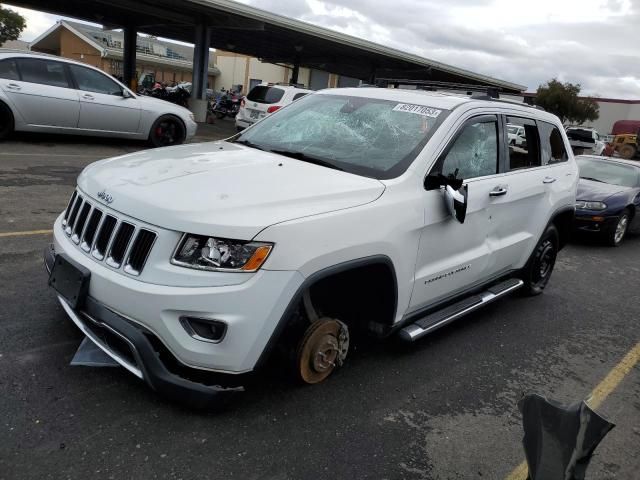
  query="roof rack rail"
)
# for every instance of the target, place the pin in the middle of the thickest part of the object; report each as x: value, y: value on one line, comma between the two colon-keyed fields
x: 433, y: 85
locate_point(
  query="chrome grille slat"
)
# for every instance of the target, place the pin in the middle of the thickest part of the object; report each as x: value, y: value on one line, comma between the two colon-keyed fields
x: 120, y: 244
x: 89, y: 234
x: 72, y: 216
x: 68, y: 209
x: 139, y: 251
x: 81, y: 221
x: 103, y: 235
x: 103, y: 240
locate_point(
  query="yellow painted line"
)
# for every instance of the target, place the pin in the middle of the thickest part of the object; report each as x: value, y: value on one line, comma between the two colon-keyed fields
x: 598, y: 395
x: 24, y: 234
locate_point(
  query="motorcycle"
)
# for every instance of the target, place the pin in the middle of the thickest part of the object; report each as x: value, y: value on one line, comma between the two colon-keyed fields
x: 178, y: 94
x: 227, y: 104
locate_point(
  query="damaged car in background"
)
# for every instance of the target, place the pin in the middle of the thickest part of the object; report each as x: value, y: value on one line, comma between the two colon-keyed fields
x: 349, y: 212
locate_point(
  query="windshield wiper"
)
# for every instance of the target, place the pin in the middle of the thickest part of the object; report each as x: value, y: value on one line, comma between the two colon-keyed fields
x: 249, y: 144
x: 593, y: 179
x: 307, y: 158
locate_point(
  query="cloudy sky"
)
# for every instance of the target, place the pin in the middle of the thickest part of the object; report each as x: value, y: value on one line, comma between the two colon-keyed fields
x: 593, y: 42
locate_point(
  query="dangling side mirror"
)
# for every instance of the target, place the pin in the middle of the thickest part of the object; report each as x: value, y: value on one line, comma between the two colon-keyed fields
x: 456, y: 201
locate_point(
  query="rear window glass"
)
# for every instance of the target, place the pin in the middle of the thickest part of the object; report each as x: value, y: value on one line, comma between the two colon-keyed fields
x: 265, y: 94
x: 8, y: 70
x: 524, y: 147
x: 553, y: 149
x: 44, y: 72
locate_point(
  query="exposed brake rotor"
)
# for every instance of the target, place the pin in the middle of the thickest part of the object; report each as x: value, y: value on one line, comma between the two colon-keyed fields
x: 323, y: 347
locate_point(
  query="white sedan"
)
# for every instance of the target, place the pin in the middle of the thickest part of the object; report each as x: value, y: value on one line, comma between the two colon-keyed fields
x: 44, y: 93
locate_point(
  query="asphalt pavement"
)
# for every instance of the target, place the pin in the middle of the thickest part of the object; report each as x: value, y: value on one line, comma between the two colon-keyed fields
x: 443, y: 408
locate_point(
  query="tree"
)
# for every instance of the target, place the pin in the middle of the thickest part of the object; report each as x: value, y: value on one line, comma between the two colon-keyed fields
x: 11, y: 25
x: 563, y: 100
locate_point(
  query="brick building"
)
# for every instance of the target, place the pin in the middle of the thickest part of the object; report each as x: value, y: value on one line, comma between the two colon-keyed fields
x: 168, y: 61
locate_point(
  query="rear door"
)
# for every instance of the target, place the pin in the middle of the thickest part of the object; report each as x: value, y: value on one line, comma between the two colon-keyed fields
x: 102, y: 104
x: 520, y: 215
x: 43, y: 95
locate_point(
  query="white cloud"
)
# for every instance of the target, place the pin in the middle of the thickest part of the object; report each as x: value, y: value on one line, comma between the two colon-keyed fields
x: 591, y: 42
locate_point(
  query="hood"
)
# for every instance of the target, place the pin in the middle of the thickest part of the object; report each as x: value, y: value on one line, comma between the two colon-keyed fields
x: 597, y: 191
x: 222, y: 189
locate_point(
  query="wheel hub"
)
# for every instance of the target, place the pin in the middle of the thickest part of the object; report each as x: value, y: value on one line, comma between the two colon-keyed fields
x: 323, y: 347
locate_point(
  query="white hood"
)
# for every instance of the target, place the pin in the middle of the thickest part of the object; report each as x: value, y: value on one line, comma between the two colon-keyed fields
x: 222, y: 189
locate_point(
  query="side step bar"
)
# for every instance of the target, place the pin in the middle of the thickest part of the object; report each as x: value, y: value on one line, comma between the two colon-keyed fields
x: 439, y: 318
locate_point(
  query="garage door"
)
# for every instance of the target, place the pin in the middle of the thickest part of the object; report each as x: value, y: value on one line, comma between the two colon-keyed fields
x: 319, y: 80
x: 345, y: 82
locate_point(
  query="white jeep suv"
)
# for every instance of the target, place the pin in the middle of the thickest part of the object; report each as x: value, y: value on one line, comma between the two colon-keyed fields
x: 352, y: 210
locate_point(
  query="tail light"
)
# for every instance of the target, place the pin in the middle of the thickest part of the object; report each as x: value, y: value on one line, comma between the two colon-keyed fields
x: 273, y: 108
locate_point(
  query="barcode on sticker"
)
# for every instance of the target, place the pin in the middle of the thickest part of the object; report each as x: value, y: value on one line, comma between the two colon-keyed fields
x: 417, y: 109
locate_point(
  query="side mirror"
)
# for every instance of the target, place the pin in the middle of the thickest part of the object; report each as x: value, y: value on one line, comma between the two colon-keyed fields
x: 126, y: 93
x: 456, y: 201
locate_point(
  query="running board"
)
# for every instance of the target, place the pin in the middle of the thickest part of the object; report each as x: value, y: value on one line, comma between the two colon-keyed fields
x: 439, y: 318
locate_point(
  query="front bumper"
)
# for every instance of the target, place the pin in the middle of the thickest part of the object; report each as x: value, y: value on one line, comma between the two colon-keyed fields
x: 133, y: 348
x: 594, y: 222
x: 192, y: 128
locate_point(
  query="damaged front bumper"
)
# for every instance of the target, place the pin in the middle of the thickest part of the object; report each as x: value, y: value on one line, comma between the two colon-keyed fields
x: 141, y: 353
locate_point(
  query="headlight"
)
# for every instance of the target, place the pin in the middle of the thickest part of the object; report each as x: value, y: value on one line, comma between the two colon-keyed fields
x: 585, y: 205
x: 221, y: 254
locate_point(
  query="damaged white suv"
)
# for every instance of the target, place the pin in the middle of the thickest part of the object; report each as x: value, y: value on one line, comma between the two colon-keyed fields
x: 351, y: 210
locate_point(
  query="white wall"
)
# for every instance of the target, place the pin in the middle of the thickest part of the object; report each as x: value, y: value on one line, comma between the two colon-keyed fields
x: 609, y: 113
x: 233, y: 71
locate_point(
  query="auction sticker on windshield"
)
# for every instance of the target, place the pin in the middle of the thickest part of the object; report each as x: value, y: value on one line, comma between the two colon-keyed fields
x: 417, y: 109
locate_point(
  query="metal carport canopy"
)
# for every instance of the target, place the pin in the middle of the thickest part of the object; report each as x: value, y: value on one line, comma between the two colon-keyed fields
x: 273, y: 38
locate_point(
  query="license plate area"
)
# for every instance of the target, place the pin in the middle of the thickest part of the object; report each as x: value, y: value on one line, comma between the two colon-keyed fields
x: 70, y: 280
x: 255, y: 114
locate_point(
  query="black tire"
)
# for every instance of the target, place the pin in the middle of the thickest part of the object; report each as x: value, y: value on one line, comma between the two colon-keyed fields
x: 6, y: 122
x: 539, y: 267
x: 167, y: 131
x: 616, y: 235
x: 628, y: 151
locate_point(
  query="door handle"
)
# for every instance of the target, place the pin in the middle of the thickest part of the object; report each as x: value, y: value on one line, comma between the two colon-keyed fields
x: 13, y: 86
x: 548, y: 180
x: 498, y: 192
x: 86, y: 96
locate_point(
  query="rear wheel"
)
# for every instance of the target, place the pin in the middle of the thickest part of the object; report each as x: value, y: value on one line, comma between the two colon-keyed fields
x: 617, y: 233
x: 627, y: 151
x: 166, y: 131
x: 6, y: 121
x: 537, y: 271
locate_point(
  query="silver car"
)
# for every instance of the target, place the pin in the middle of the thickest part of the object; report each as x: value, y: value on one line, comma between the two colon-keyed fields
x: 44, y: 93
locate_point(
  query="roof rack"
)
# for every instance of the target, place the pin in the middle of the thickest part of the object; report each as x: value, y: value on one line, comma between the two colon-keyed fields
x: 475, y: 92
x: 433, y: 85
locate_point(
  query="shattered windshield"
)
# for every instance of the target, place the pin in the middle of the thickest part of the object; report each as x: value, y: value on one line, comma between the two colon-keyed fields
x: 366, y: 136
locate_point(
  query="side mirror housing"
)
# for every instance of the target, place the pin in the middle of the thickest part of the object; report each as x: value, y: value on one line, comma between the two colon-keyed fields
x: 456, y: 201
x: 126, y: 93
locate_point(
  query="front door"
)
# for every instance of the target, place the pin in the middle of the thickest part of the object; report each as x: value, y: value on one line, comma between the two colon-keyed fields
x: 43, y: 94
x: 103, y: 107
x: 453, y: 256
